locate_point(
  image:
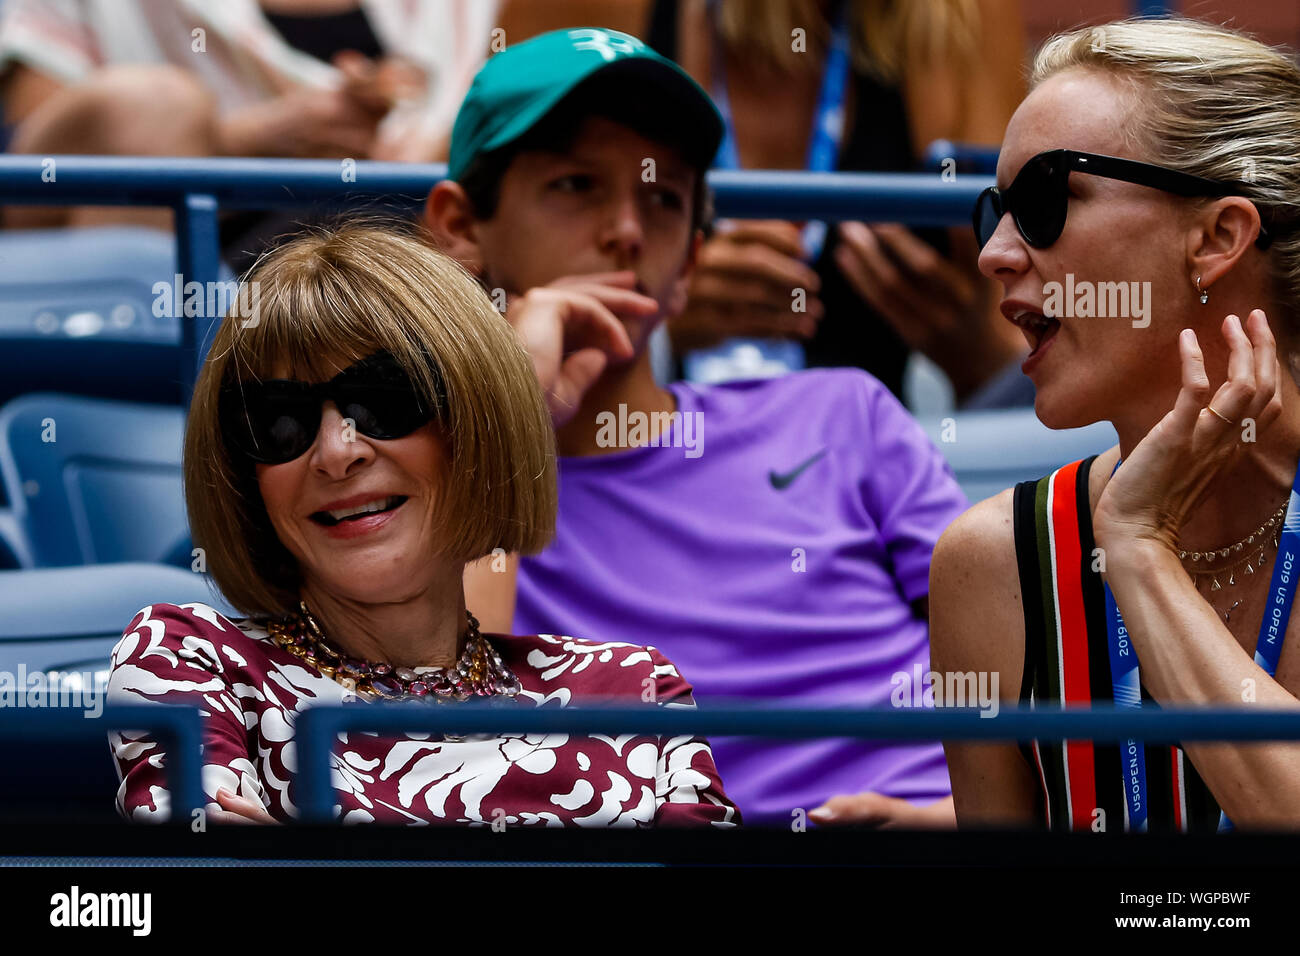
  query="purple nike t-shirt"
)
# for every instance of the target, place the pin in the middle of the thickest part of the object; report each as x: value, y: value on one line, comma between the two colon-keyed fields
x: 771, y: 546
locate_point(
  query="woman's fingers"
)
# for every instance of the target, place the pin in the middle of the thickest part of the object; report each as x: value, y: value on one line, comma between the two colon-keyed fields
x: 1268, y: 372
x: 860, y: 809
x: 1234, y: 398
x: 1169, y: 471
x: 241, y: 809
x: 1195, y: 383
x: 229, y: 819
x: 1248, y: 395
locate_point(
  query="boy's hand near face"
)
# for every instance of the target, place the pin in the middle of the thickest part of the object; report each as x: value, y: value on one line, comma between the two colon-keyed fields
x: 574, y: 327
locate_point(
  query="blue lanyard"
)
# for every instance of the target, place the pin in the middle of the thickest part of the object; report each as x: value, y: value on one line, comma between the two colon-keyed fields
x: 828, y: 121
x: 1127, y: 691
x: 1125, y: 683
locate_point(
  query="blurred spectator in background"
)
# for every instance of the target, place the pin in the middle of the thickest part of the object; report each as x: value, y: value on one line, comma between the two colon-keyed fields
x: 907, y: 73
x: 365, y: 79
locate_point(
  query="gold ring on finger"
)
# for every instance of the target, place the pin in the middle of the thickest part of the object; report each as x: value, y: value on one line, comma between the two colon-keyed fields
x: 1218, y: 414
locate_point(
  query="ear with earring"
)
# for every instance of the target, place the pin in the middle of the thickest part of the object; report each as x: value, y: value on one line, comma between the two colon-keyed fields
x: 1203, y: 293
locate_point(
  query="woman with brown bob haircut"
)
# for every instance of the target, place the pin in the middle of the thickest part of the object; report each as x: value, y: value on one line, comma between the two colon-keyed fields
x: 369, y: 428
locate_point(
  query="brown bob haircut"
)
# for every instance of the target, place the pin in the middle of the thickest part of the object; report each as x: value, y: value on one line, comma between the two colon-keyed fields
x: 330, y: 297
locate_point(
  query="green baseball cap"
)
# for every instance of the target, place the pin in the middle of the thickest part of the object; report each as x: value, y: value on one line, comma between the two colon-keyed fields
x: 519, y: 86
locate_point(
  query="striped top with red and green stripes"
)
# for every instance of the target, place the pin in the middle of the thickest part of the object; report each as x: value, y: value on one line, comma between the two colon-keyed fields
x: 1067, y: 662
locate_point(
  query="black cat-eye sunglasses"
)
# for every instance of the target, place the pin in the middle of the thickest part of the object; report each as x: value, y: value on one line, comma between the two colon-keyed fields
x: 1039, y: 197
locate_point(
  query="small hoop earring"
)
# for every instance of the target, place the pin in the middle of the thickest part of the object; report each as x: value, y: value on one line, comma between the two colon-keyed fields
x: 1203, y: 293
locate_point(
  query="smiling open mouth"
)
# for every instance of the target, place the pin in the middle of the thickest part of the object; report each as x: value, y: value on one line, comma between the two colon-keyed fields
x: 330, y: 518
x: 1038, y: 328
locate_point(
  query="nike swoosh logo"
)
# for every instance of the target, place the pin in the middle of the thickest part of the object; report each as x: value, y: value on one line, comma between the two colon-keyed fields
x: 781, y: 482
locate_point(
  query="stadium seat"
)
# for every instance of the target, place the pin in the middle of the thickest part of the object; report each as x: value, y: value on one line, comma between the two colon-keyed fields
x: 68, y: 620
x: 14, y: 552
x: 77, y: 313
x: 93, y: 481
x: 992, y: 450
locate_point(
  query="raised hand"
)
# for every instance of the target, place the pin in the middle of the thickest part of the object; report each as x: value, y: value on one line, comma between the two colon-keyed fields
x: 744, y: 284
x: 939, y: 305
x: 1165, y: 477
x: 573, y: 328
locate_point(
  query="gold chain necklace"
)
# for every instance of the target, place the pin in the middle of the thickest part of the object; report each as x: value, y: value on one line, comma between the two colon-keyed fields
x: 1265, y: 534
x: 479, y: 672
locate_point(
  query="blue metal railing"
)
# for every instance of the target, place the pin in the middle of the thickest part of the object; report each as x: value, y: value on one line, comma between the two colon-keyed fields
x: 197, y: 189
x: 1153, y: 8
x: 317, y: 728
x: 921, y: 198
x: 180, y: 730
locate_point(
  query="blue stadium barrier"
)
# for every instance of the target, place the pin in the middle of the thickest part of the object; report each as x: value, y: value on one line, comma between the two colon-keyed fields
x: 317, y: 728
x: 944, y: 155
x: 1152, y: 8
x: 56, y: 729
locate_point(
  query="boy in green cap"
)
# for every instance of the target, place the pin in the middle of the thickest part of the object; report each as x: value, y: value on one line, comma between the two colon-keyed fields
x: 785, y: 559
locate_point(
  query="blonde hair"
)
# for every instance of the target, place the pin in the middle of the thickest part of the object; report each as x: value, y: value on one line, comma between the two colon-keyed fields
x: 332, y: 296
x: 1208, y: 101
x: 885, y: 35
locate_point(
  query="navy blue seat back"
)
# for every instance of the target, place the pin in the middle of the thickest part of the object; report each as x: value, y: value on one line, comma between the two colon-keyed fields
x: 92, y: 480
x: 79, y: 313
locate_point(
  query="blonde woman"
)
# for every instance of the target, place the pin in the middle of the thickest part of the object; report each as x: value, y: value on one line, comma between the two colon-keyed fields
x: 351, y: 446
x: 861, y: 86
x: 1159, y: 154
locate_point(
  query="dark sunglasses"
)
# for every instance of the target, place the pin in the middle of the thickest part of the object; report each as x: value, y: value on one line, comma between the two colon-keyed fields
x: 1039, y: 197
x: 276, y: 421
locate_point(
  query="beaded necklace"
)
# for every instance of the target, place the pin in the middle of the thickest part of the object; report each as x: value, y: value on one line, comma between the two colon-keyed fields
x: 479, y: 672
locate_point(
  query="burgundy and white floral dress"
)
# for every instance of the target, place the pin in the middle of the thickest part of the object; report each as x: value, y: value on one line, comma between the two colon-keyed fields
x: 249, y: 691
